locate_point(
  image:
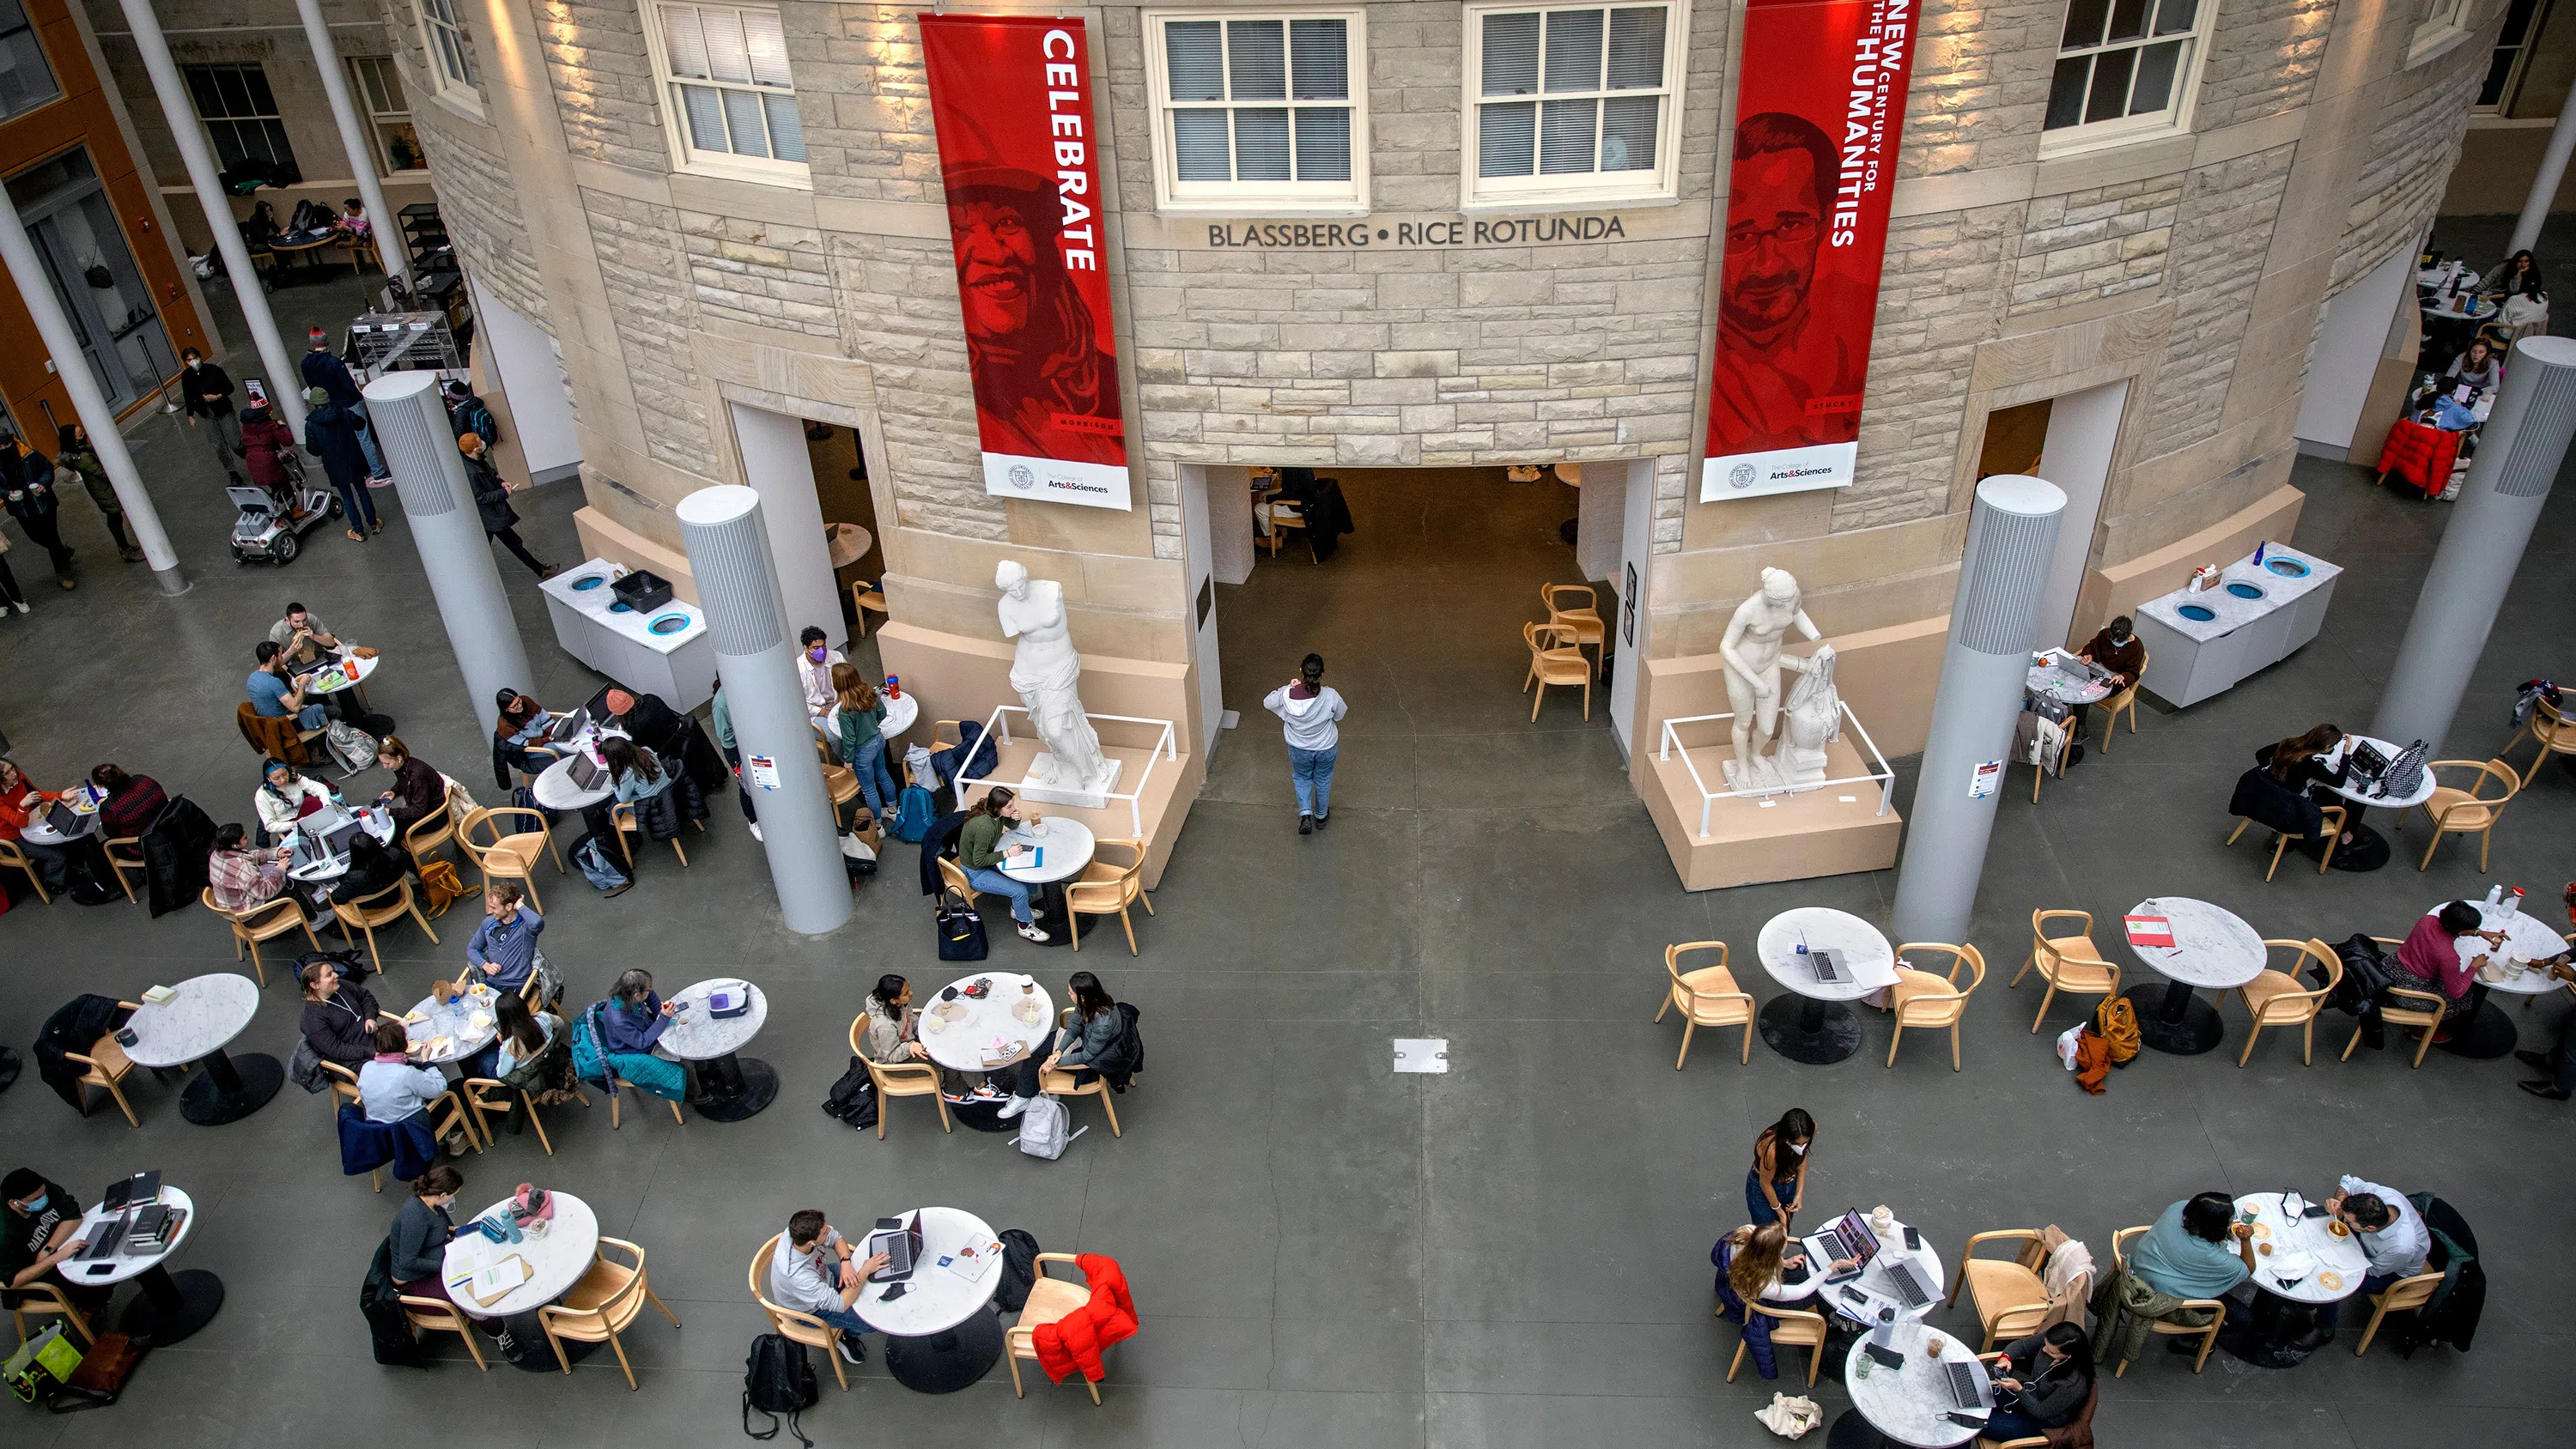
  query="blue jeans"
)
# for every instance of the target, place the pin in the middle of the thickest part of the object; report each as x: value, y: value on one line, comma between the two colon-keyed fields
x: 367, y: 442
x: 876, y: 782
x: 844, y: 1319
x: 1312, y: 770
x: 2008, y: 1424
x: 996, y: 883
x: 359, y: 509
x: 1760, y: 1208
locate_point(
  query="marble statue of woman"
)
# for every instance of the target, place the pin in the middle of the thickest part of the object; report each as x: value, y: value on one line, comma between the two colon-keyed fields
x: 1751, y: 649
x: 1045, y: 671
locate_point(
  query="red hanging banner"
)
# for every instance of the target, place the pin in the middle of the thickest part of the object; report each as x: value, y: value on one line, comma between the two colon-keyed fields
x: 1819, y: 109
x: 1010, y: 97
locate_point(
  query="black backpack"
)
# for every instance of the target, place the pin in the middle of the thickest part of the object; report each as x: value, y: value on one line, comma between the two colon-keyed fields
x: 854, y: 1097
x: 350, y: 965
x: 777, y: 1380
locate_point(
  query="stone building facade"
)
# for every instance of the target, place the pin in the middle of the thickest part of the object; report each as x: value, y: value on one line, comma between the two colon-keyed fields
x: 2186, y: 263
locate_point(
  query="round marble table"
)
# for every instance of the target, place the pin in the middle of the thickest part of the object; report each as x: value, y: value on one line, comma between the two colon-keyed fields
x: 1065, y: 847
x: 459, y: 1028
x: 1816, y: 1025
x: 735, y: 1086
x: 202, y: 1014
x: 2064, y: 678
x: 173, y: 1305
x: 557, y: 1256
x: 1874, y: 1280
x: 2324, y: 1267
x: 555, y: 790
x: 941, y: 1332
x: 84, y: 808
x: 960, y: 1031
x: 900, y: 713
x: 1909, y: 1405
x: 377, y: 822
x: 2363, y: 794
x: 2211, y: 947
x: 333, y: 678
x: 2486, y: 1030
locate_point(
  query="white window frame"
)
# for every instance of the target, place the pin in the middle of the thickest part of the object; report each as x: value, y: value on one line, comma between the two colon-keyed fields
x: 2174, y: 120
x: 2522, y: 48
x: 2442, y: 27
x: 445, y: 20
x: 272, y: 122
x: 1497, y: 193
x: 675, y: 122
x: 356, y: 67
x: 1268, y: 198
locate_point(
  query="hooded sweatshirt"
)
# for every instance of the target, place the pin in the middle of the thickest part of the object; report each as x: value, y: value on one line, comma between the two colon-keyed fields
x: 1313, y: 724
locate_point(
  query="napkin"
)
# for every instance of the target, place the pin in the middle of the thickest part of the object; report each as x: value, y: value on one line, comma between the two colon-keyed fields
x: 2291, y: 1267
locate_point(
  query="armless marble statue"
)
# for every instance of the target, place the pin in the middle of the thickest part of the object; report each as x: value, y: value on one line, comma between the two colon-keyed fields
x: 1751, y: 649
x: 1046, y: 671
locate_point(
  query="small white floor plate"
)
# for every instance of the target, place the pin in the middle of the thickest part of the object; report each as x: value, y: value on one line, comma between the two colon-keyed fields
x: 1422, y: 1054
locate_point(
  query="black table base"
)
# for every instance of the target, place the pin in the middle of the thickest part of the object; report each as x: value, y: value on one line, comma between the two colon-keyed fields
x: 982, y: 1115
x: 1803, y: 1029
x: 521, y: 1339
x: 2277, y: 1333
x: 737, y: 1087
x: 1853, y: 1431
x: 2172, y: 1019
x: 172, y: 1305
x: 227, y: 1088
x: 943, y: 1363
x: 2484, y: 1031
x: 1046, y: 904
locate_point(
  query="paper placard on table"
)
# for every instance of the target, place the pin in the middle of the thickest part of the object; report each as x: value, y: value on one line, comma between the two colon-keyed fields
x: 2155, y: 932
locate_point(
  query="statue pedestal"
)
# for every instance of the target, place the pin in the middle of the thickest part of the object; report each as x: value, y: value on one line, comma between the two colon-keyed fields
x: 1767, y: 777
x: 1090, y: 794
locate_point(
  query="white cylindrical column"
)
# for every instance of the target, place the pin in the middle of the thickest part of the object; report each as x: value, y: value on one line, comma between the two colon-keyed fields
x: 72, y: 366
x: 2519, y: 450
x: 2544, y: 187
x: 420, y: 451
x: 728, y: 544
x: 353, y: 138
x: 2012, y: 535
x: 285, y: 384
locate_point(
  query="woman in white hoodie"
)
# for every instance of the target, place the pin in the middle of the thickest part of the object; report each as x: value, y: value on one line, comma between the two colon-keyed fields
x: 1312, y: 711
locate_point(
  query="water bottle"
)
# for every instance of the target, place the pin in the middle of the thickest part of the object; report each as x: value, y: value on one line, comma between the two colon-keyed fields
x: 2258, y: 554
x: 2495, y: 893
x: 1885, y: 1332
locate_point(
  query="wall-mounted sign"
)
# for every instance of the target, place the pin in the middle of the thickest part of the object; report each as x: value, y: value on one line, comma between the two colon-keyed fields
x: 1010, y: 97
x: 1819, y: 110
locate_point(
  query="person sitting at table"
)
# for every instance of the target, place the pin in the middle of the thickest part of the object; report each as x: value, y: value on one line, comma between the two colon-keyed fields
x: 815, y: 658
x: 2478, y: 368
x: 636, y: 1016
x: 353, y: 217
x: 390, y: 1089
x: 2041, y: 1383
x: 637, y: 778
x: 275, y: 693
x: 2510, y: 275
x: 2429, y: 960
x: 2391, y: 1233
x: 419, y: 789
x: 503, y: 951
x: 518, y: 722
x: 979, y: 851
x: 2115, y: 647
x: 1095, y: 1031
x: 2301, y: 763
x: 2557, y: 1066
x: 262, y: 227
x: 2186, y: 1254
x: 859, y: 714
x: 286, y: 796
x: 1749, y: 1262
x: 340, y: 1017
x: 892, y: 1025
x: 531, y: 1053
x: 304, y: 638
x: 1776, y: 1187
x: 421, y: 1233
x: 20, y: 802
x: 40, y: 1231
x: 374, y: 868
x: 132, y: 801
x: 811, y: 1272
x: 245, y: 877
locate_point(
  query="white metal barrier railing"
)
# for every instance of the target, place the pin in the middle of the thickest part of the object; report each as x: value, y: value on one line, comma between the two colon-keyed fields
x: 1885, y: 776
x: 1166, y: 747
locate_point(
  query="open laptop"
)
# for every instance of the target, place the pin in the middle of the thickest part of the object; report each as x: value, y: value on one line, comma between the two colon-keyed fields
x: 568, y: 727
x: 586, y: 772
x: 66, y: 821
x: 900, y: 1241
x: 1848, y: 1236
x: 1828, y: 967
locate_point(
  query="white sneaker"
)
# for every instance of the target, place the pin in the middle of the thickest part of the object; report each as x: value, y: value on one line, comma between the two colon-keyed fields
x: 22, y: 607
x: 1016, y: 1107
x: 848, y: 1354
x: 1032, y: 933
x: 755, y: 831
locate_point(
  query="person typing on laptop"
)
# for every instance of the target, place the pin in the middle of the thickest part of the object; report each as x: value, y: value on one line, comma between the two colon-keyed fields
x: 2041, y: 1383
x: 811, y: 1272
x: 39, y: 1232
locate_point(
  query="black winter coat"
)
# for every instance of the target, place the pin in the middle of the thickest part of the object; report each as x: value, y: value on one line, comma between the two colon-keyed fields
x: 175, y: 848
x: 331, y: 431
x: 76, y: 1027
x: 2268, y: 802
x: 491, y: 496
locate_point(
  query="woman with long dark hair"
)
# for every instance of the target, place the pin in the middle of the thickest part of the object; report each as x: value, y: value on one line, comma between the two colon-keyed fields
x: 2314, y: 763
x: 1776, y: 1188
x: 2041, y: 1383
x: 981, y: 852
x: 1097, y: 1025
x: 889, y: 1035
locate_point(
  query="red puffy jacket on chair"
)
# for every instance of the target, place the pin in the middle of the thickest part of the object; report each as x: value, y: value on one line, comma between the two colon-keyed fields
x: 1077, y: 1340
x: 2420, y: 454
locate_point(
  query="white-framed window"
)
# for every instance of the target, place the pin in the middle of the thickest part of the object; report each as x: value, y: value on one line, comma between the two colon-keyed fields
x: 2522, y: 21
x: 2125, y: 69
x: 1266, y: 110
x: 379, y: 93
x: 451, y: 51
x: 26, y: 79
x: 240, y: 113
x: 726, y: 92
x: 2443, y: 22
x: 1579, y: 103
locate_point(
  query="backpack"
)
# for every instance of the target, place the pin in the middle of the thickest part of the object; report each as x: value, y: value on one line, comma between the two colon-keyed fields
x: 588, y: 1062
x: 1126, y: 1055
x: 960, y: 929
x: 353, y: 747
x: 913, y: 812
x: 2117, y: 1021
x: 854, y: 1097
x: 777, y: 1380
x: 1019, y: 1270
x: 440, y: 887
x: 1042, y: 1128
x: 602, y: 872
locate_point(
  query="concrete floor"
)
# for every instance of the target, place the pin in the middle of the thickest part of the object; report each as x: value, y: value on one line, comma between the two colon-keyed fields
x: 1323, y: 1253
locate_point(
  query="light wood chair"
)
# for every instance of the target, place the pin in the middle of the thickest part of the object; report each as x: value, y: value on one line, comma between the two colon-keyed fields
x: 363, y: 249
x: 283, y: 916
x: 623, y: 817
x: 1923, y: 1000
x: 437, y: 1315
x: 2275, y: 998
x: 2039, y: 772
x: 862, y: 599
x: 1108, y: 888
x: 2207, y: 1333
x: 2333, y: 824
x: 501, y: 854
x: 1707, y: 995
x: 344, y: 1092
x: 2547, y: 728
x: 2403, y: 1294
x: 617, y: 1089
x: 1790, y: 1328
x: 449, y: 1116
x: 125, y: 857
x: 106, y: 1066
x: 1555, y: 661
x: 606, y: 1302
x: 2457, y: 811
x: 953, y: 876
x: 1283, y: 515
x: 2010, y: 1299
x: 14, y: 858
x: 1065, y: 1084
x: 2126, y: 699
x: 1050, y: 1299
x: 2425, y: 1011
x: 795, y: 1326
x: 2071, y: 964
x: 431, y: 831
x: 384, y: 908
x: 43, y: 1297
x: 489, y: 1094
x: 1583, y: 618
x: 899, y: 1079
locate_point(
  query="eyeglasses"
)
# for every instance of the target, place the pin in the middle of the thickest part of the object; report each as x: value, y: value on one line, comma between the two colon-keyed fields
x: 1747, y: 236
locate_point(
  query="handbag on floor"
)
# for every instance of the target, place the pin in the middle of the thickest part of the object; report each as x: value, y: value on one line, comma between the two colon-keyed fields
x: 602, y: 872
x: 960, y: 929
x: 1790, y: 1417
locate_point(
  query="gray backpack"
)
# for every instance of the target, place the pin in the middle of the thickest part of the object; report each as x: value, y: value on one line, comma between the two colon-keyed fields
x: 1042, y: 1128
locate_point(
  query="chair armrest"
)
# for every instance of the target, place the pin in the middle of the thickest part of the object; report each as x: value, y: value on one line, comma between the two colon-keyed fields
x: 2438, y: 1000
x: 82, y: 1058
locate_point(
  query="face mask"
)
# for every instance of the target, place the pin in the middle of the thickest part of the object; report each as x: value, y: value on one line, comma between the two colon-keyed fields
x: 37, y: 1206
x: 195, y: 362
x: 816, y: 653
x: 1798, y: 1149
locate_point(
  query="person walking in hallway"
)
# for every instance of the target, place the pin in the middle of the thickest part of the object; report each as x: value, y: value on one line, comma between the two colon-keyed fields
x: 27, y: 489
x: 1312, y: 713
x: 330, y: 374
x: 73, y: 454
x: 492, y: 503
x: 207, y: 393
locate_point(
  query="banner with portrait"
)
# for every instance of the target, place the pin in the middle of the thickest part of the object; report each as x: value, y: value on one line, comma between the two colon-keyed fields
x: 1010, y: 97
x: 1819, y: 110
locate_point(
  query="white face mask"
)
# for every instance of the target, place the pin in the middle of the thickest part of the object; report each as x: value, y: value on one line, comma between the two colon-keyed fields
x: 195, y: 362
x: 1797, y: 1149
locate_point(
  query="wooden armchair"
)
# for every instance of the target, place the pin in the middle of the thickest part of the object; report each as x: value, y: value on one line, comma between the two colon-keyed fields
x: 898, y: 1079
x: 2403, y: 1294
x: 2275, y: 998
x: 1050, y: 1299
x: 2453, y: 809
x: 2413, y: 1006
x: 1555, y: 659
x: 2548, y: 728
x: 1790, y: 1328
x: 2072, y: 964
x: 2207, y: 1333
x: 266, y: 921
x: 1923, y: 1000
x: 2010, y: 1299
x: 801, y: 1327
x: 1707, y: 995
x: 605, y: 1303
x: 106, y: 1066
x: 1107, y: 888
x: 12, y: 857
x: 125, y: 856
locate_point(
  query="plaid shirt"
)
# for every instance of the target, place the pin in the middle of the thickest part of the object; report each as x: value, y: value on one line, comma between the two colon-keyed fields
x: 244, y: 878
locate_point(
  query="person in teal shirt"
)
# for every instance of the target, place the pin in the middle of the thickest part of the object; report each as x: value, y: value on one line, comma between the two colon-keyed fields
x: 2192, y: 1252
x: 722, y: 714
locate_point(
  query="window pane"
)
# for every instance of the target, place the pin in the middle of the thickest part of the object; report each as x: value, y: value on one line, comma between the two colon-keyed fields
x: 1511, y: 55
x: 1199, y: 144
x: 1506, y: 137
x: 2066, y: 93
x: 2156, y: 65
x: 706, y: 117
x: 262, y: 102
x: 767, y: 41
x: 26, y: 81
x: 1191, y: 53
x: 742, y: 118
x: 2517, y: 20
x: 2084, y: 23
x: 1574, y: 51
x: 202, y: 93
x: 231, y: 95
x: 1256, y: 60
x: 2491, y: 90
x: 1261, y: 145
x: 2176, y: 16
x: 2128, y: 19
x: 1628, y: 133
x: 1320, y: 53
x: 786, y: 128
x: 1636, y: 49
x: 460, y: 57
x: 1323, y: 144
x: 2110, y: 99
x: 402, y: 145
x: 685, y: 42
x: 728, y: 57
x: 1565, y: 136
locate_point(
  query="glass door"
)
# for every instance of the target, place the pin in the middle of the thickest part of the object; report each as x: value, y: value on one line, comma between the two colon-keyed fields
x: 102, y: 291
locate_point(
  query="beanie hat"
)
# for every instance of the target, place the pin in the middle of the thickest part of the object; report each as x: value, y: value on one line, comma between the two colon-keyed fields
x: 619, y: 701
x: 317, y: 396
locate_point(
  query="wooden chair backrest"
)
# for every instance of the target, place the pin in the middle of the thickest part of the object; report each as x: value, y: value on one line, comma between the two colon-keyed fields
x: 1962, y: 955
x: 107, y: 1059
x: 2311, y: 949
x: 1682, y: 989
x: 2412, y: 1292
x: 344, y: 1083
x: 800, y: 1326
x: 953, y: 876
x: 1795, y: 1328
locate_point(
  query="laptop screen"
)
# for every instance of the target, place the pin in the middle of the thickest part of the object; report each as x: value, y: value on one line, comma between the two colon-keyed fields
x: 586, y: 773
x: 64, y: 819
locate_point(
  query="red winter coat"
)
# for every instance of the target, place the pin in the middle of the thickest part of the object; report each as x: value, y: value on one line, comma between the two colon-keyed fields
x: 261, y: 444
x: 2420, y: 454
x: 1077, y: 1340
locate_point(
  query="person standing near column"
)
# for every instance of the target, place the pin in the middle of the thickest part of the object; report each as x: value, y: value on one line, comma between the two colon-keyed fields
x: 27, y: 490
x: 330, y: 374
x: 1312, y: 712
x: 207, y: 392
x: 73, y: 454
x: 333, y: 433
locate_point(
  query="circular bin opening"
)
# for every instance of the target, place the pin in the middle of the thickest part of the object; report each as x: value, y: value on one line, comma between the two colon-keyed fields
x: 621, y: 607
x: 2245, y: 591
x: 670, y: 624
x: 2288, y: 568
x: 585, y: 585
x: 2197, y: 613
